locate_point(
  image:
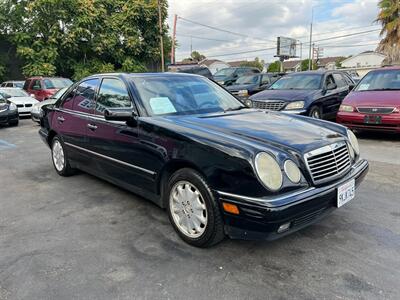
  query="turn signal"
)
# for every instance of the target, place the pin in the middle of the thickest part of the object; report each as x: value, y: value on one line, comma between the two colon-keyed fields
x: 230, y: 208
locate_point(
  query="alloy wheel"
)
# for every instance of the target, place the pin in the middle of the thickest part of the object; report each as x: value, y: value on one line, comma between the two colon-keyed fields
x: 188, y: 209
x: 58, y: 155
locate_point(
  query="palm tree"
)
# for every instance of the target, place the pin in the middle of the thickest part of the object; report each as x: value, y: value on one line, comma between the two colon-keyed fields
x: 389, y: 17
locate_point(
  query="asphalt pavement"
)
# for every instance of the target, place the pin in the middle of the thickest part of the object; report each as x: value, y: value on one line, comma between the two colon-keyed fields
x: 83, y: 238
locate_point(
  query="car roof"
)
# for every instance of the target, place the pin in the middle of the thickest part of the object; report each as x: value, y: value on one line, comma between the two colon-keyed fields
x: 395, y: 67
x: 139, y: 75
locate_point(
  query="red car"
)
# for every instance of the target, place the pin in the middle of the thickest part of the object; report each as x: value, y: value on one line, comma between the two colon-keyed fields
x: 43, y: 88
x: 374, y: 104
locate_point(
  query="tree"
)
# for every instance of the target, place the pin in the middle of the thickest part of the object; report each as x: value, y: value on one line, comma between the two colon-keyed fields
x: 275, y: 66
x: 257, y: 63
x: 196, y: 56
x: 389, y: 17
x: 78, y: 37
x: 305, y: 63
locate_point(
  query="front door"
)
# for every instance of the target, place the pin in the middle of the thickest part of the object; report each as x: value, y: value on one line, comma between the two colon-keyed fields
x: 115, y: 145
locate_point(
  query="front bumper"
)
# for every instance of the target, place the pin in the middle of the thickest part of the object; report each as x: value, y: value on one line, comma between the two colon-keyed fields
x: 260, y: 218
x: 355, y: 120
x: 8, y: 116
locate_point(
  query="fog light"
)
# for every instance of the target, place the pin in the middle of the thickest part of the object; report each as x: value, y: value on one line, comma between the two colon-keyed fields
x: 230, y: 208
x: 284, y: 227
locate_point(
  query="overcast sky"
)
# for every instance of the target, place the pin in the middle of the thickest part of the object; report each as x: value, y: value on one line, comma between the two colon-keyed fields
x: 260, y: 21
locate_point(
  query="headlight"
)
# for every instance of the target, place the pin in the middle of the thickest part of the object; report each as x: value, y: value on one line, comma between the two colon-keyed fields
x: 346, y: 108
x: 248, y: 103
x: 295, y: 105
x: 268, y: 171
x: 353, y: 142
x: 243, y: 93
x: 12, y: 106
x: 292, y: 171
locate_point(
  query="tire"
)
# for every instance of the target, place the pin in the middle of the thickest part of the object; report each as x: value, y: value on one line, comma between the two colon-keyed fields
x: 315, y: 112
x: 59, y: 158
x: 196, y: 207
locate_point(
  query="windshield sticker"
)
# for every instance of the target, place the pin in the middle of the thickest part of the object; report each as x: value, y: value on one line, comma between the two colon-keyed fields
x: 162, y: 105
x: 363, y: 87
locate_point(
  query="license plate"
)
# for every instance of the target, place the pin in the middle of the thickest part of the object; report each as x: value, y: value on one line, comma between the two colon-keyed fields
x: 373, y: 119
x: 345, y: 193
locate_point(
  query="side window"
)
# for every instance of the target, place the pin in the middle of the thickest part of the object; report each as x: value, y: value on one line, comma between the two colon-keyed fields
x: 265, y: 79
x: 329, y: 80
x: 9, y: 84
x: 112, y: 94
x: 67, y: 101
x: 339, y: 80
x: 36, y: 85
x: 348, y: 79
x: 26, y: 85
x: 85, y: 93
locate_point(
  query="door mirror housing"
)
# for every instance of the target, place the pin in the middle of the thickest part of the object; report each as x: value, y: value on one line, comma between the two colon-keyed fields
x: 119, y: 114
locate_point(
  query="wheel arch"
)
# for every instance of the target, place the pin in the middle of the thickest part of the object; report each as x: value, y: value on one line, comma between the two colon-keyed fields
x: 170, y: 168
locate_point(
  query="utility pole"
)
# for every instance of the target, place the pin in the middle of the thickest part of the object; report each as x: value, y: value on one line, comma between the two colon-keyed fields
x: 309, y: 52
x: 191, y: 46
x: 173, y: 41
x: 161, y: 35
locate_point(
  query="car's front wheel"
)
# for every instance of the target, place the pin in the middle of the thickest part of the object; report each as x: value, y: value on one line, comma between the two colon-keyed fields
x: 315, y: 112
x: 60, y: 158
x: 193, y: 210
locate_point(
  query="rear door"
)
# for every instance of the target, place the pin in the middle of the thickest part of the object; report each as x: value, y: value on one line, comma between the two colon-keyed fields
x: 342, y: 90
x: 330, y: 98
x: 71, y: 118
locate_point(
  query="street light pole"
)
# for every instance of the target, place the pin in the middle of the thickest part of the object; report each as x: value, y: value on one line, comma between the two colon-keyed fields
x: 161, y: 35
x: 309, y: 53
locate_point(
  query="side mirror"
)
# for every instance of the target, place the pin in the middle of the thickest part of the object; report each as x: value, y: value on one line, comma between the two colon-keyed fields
x: 119, y: 114
x: 331, y: 86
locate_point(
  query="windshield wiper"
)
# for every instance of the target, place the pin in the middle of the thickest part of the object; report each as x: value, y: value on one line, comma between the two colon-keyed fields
x: 234, y: 108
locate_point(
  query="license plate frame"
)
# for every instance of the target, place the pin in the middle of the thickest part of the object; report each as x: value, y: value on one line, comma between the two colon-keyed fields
x: 345, y: 193
x: 372, y: 119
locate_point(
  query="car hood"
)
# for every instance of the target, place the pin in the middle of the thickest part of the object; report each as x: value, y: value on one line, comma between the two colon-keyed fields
x: 23, y: 100
x: 259, y: 129
x: 242, y: 87
x: 373, y: 98
x: 287, y: 95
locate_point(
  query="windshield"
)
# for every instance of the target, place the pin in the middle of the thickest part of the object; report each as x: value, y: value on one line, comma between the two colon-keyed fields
x: 15, y: 92
x: 56, y: 83
x: 225, y: 72
x: 59, y: 93
x: 247, y: 79
x: 379, y: 81
x: 182, y: 95
x: 298, y: 82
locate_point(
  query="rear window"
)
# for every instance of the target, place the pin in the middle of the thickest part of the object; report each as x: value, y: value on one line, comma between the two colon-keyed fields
x: 56, y: 83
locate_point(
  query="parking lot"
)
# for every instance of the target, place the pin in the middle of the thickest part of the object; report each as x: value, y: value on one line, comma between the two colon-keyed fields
x: 83, y: 238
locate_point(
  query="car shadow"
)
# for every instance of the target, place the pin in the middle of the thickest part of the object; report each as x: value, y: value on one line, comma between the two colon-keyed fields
x: 375, y: 135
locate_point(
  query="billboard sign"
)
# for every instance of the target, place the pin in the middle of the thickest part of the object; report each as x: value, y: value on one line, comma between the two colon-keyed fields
x: 286, y: 47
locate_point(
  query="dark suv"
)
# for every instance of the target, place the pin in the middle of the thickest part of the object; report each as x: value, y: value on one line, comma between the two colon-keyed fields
x: 313, y: 93
x: 228, y: 76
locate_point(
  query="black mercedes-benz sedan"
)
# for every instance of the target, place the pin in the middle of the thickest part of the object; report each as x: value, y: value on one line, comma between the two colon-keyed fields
x: 219, y: 168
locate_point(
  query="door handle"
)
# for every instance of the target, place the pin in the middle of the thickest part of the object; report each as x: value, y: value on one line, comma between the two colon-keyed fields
x: 91, y: 126
x: 61, y: 119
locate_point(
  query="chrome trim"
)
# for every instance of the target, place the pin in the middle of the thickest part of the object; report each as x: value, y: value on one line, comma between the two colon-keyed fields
x: 91, y: 116
x: 112, y: 159
x: 334, y: 160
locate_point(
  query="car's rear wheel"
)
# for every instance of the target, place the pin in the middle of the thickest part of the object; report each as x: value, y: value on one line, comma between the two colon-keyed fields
x: 60, y: 158
x: 315, y: 112
x: 193, y: 210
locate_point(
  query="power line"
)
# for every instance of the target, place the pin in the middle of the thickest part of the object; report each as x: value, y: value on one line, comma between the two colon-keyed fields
x: 336, y: 31
x: 223, y: 30
x: 204, y: 38
x: 343, y: 36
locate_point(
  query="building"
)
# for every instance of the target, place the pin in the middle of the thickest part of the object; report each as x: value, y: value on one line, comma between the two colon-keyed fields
x: 214, y: 65
x: 292, y: 66
x: 364, y: 62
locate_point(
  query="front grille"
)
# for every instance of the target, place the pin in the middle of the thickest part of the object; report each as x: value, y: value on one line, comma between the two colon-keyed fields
x: 28, y: 105
x: 328, y: 162
x: 375, y: 110
x: 269, y: 104
x: 20, y: 105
